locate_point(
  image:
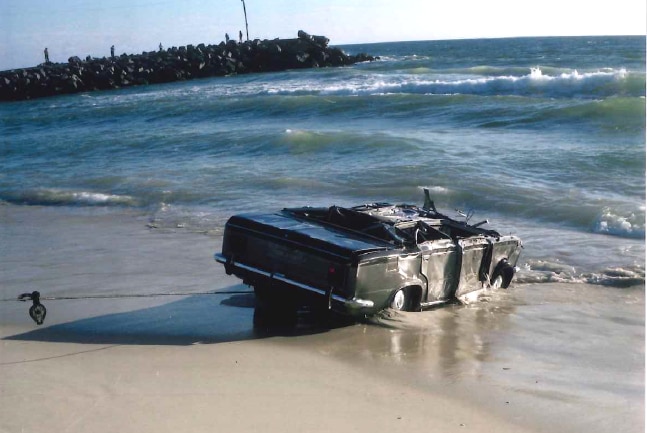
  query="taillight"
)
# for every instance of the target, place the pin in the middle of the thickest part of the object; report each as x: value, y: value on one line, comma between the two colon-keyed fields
x: 335, y: 275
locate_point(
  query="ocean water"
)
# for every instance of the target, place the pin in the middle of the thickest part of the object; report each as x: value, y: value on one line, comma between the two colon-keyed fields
x: 545, y: 137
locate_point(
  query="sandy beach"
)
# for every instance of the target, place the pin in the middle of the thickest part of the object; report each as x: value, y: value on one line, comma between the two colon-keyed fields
x: 172, y: 347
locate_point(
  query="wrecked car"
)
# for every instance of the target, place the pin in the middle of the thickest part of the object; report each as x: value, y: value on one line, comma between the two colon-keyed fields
x: 363, y: 259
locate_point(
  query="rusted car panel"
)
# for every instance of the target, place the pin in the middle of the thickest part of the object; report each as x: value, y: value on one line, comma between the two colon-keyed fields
x: 363, y: 259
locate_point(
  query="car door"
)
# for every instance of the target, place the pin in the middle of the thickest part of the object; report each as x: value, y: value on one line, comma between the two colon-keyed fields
x: 440, y: 265
x: 475, y: 257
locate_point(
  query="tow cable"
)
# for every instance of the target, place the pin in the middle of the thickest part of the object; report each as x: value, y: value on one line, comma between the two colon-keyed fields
x: 38, y: 311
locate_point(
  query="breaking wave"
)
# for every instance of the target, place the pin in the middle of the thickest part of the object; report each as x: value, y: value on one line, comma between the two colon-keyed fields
x: 538, y: 81
x: 566, y: 84
x: 60, y: 197
x: 542, y: 271
x: 631, y: 225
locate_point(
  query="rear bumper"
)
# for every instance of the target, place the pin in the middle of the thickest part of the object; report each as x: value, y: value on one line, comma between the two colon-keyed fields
x: 351, y: 306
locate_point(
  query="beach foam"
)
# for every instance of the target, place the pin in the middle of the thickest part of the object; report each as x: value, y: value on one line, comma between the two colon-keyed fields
x: 61, y: 197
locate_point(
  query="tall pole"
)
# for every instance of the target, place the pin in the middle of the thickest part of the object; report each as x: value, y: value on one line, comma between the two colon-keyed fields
x: 246, y: 26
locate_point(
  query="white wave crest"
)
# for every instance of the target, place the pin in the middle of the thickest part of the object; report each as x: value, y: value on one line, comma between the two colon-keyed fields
x: 541, y: 271
x: 567, y: 83
x: 618, y: 277
x: 98, y: 198
x: 53, y: 197
x: 630, y: 224
x: 424, y: 80
x: 435, y: 189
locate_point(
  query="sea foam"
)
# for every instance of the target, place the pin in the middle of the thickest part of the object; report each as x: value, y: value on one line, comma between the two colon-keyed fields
x: 553, y: 271
x: 560, y: 83
x: 61, y: 197
x: 630, y: 225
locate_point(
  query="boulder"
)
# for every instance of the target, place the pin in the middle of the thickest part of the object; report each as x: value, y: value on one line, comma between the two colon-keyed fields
x: 173, y: 64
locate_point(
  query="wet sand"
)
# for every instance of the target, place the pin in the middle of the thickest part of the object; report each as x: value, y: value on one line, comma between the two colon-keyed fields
x: 535, y: 358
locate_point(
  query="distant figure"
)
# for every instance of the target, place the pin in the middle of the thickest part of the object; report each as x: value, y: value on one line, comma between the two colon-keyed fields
x: 112, y: 51
x: 240, y: 36
x: 161, y: 48
x: 227, y: 38
x: 46, y: 56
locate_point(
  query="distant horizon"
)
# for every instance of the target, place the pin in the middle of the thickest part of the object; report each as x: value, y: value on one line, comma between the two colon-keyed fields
x: 345, y: 45
x: 494, y: 37
x: 76, y: 28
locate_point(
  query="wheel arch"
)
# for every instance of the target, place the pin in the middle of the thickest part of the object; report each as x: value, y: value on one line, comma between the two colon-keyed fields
x: 505, y: 270
x: 413, y: 290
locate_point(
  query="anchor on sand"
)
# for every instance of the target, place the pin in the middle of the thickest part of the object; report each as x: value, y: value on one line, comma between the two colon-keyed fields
x: 37, y: 311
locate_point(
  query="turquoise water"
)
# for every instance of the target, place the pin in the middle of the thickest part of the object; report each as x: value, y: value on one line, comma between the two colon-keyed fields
x: 543, y: 136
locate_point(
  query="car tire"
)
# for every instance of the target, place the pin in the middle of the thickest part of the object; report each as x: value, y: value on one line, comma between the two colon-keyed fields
x: 497, y: 282
x: 502, y: 275
x: 400, y: 300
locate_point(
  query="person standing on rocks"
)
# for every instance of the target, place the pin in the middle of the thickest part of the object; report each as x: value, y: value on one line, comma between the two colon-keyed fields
x: 46, y: 55
x: 240, y: 36
x: 112, y: 51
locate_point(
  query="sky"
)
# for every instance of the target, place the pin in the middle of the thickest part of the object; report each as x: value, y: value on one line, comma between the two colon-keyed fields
x: 89, y: 27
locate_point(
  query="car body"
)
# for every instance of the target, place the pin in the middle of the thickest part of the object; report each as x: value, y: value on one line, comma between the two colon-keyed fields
x: 366, y: 258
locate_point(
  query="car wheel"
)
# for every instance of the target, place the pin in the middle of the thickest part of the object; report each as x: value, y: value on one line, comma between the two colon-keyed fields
x: 497, y: 282
x: 503, y: 275
x: 400, y: 300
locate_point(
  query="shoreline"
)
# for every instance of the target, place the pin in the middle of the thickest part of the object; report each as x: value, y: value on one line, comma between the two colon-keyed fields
x: 536, y: 358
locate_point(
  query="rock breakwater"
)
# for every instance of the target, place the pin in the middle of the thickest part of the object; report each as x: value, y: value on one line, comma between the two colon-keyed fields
x: 173, y: 64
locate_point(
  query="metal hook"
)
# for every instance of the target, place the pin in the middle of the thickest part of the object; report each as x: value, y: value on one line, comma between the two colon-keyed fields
x: 37, y: 311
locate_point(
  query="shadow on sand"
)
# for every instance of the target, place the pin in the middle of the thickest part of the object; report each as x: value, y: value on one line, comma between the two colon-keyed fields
x: 196, y: 319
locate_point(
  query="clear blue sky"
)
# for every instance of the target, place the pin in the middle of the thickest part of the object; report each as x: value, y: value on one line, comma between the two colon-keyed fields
x: 90, y: 27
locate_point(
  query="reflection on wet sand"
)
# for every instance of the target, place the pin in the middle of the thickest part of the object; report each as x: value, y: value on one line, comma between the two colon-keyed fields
x: 554, y: 349
x: 449, y: 342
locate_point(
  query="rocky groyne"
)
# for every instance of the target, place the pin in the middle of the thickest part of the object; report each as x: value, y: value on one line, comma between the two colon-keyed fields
x: 172, y: 64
